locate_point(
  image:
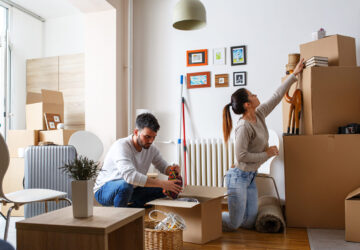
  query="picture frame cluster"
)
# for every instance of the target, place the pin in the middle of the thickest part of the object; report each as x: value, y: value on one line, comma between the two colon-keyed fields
x: 199, y: 57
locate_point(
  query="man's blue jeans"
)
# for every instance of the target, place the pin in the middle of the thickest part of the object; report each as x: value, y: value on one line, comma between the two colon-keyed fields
x: 119, y: 193
x: 242, y: 200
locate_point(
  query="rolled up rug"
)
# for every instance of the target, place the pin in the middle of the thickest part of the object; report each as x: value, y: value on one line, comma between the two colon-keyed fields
x: 270, y: 218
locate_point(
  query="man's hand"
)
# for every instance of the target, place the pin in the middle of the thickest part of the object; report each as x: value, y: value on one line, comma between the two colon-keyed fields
x: 173, y: 186
x: 176, y: 167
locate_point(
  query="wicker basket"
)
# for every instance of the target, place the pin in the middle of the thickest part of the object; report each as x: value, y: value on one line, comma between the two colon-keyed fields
x: 162, y: 239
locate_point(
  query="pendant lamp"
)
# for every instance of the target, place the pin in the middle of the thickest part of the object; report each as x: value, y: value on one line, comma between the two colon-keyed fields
x: 189, y: 15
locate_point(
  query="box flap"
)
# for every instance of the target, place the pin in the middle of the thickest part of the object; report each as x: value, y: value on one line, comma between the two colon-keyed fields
x: 32, y: 97
x: 353, y: 194
x: 50, y: 96
x: 204, y: 192
x: 173, y: 203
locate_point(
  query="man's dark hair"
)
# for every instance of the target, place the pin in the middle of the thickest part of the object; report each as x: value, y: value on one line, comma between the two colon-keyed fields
x: 147, y: 120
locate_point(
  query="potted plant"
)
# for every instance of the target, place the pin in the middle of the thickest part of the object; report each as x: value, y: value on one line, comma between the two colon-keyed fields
x: 83, y: 171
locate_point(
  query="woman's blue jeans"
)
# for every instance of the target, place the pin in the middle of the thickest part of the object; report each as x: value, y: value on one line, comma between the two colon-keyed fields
x: 242, y: 200
x: 119, y: 193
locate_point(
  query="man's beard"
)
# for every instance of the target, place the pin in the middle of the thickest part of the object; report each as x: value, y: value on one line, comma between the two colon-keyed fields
x: 145, y: 146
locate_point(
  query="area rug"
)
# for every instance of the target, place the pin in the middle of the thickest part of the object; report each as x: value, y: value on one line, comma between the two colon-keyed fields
x: 270, y: 218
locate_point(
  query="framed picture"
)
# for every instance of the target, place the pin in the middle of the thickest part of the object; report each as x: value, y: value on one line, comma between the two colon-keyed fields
x: 239, y: 78
x: 219, y: 56
x: 221, y: 80
x: 198, y: 80
x: 52, y: 120
x: 197, y: 57
x: 238, y: 55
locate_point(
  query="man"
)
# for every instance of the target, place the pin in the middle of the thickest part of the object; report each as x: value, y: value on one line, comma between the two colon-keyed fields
x: 122, y: 180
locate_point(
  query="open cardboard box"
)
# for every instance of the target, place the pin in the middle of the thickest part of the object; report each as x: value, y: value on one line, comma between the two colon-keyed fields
x: 352, y: 216
x: 203, y: 219
x: 48, y: 101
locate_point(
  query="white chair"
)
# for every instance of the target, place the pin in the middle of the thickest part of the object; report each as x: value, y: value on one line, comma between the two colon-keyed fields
x: 25, y: 196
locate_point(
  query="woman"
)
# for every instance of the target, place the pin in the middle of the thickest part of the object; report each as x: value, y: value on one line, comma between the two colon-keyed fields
x: 252, y: 149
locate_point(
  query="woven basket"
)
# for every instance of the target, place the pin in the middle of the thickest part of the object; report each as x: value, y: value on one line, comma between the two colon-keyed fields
x: 162, y: 239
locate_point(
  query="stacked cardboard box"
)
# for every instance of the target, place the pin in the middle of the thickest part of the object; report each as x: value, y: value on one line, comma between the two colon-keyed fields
x: 321, y: 168
x: 17, y: 140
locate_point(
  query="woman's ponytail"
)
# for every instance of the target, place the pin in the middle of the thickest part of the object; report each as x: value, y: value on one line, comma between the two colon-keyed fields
x: 227, y: 122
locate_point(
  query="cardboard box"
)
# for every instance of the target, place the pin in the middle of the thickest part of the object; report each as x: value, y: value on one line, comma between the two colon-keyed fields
x: 203, y: 220
x: 352, y: 216
x: 59, y: 137
x: 320, y: 171
x: 340, y: 50
x: 21, y: 139
x: 331, y: 98
x: 37, y: 104
x: 13, y: 181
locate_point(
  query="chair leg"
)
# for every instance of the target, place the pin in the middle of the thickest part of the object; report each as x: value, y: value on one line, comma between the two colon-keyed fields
x: 7, y: 222
x: 66, y: 199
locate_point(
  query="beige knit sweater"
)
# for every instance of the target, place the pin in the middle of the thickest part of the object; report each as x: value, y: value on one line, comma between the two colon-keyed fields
x: 251, y: 139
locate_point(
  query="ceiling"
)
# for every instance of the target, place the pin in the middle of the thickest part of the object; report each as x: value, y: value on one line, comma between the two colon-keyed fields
x: 49, y: 8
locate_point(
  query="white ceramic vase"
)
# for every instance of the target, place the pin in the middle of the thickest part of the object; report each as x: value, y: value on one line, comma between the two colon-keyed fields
x: 82, y: 198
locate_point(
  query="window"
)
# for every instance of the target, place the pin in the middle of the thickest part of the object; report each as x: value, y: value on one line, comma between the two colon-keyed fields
x: 4, y: 69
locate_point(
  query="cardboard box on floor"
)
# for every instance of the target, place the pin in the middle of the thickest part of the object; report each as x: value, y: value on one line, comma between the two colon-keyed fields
x: 59, y: 136
x: 203, y: 220
x: 320, y: 171
x: 331, y: 98
x: 21, y: 139
x: 352, y: 216
x: 48, y: 101
x: 13, y: 181
x: 340, y: 50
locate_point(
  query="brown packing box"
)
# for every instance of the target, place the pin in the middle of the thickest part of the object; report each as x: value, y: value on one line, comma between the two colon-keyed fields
x: 13, y: 181
x: 352, y: 216
x: 203, y: 220
x: 320, y: 171
x: 59, y: 136
x: 48, y: 101
x: 330, y: 99
x: 340, y: 50
x: 21, y: 139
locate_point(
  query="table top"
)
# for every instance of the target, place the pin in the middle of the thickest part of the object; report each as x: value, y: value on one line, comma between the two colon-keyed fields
x: 104, y: 220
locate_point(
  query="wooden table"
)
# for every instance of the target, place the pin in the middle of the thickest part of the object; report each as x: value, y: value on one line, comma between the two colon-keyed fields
x: 109, y: 228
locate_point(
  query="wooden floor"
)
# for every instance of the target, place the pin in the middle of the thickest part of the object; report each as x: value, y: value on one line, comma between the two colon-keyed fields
x: 294, y: 238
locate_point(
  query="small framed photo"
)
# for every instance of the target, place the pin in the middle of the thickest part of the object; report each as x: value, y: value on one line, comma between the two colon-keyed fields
x: 219, y: 56
x: 198, y: 80
x: 197, y: 57
x: 238, y: 55
x: 239, y: 78
x: 221, y: 80
x: 52, y: 120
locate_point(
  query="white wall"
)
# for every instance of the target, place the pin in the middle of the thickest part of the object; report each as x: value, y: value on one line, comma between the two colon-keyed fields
x: 100, y: 75
x: 270, y: 30
x: 26, y: 37
x: 64, y: 35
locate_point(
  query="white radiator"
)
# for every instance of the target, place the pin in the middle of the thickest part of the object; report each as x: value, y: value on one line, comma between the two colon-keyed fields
x: 207, y: 161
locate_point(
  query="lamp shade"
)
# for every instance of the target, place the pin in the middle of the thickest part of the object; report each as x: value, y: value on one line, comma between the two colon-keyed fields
x: 189, y: 15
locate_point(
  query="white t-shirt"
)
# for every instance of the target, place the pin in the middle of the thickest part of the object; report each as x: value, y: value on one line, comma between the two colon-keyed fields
x: 124, y: 162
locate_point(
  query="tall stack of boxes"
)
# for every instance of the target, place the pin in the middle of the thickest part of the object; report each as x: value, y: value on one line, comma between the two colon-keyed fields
x: 17, y: 140
x: 321, y: 166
